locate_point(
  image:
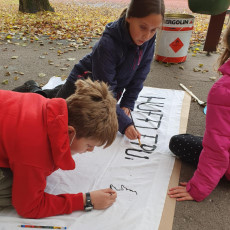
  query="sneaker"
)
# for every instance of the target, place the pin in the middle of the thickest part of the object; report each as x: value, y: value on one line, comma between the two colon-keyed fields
x: 30, y: 86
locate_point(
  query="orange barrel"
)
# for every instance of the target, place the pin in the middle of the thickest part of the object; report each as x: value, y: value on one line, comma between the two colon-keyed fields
x: 173, y: 38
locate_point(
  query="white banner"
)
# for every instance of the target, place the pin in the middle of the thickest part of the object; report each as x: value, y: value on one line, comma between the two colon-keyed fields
x: 139, y: 175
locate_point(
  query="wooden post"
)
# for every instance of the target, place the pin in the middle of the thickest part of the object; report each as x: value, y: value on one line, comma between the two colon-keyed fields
x: 214, y: 31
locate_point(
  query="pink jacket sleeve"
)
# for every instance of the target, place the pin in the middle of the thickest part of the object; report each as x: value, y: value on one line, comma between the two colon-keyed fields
x: 214, y: 158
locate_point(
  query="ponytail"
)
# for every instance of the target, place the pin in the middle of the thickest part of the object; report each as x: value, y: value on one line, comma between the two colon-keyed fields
x: 226, y: 54
x: 224, y: 57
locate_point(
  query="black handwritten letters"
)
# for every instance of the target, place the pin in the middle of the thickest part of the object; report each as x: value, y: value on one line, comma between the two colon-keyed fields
x: 123, y: 188
x: 152, y: 108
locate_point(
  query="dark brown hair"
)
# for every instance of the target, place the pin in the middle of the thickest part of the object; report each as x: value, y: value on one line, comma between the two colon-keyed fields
x: 226, y: 54
x: 143, y: 8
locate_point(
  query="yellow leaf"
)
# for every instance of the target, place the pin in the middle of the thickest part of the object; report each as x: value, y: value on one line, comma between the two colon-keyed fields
x: 8, y: 37
x: 41, y: 75
x: 5, y: 82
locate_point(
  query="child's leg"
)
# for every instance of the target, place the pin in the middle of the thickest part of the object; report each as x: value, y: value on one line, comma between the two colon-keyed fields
x: 30, y: 86
x: 69, y: 87
x: 6, y: 178
x: 187, y: 147
x: 51, y: 93
x: 66, y: 90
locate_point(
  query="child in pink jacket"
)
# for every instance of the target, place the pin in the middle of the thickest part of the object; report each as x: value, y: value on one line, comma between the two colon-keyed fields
x: 213, y: 158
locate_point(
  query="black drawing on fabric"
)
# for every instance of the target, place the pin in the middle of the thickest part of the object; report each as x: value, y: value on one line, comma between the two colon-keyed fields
x: 158, y: 123
x: 149, y: 98
x: 123, y: 188
x: 157, y: 104
x: 147, y: 148
x: 148, y: 112
x: 161, y: 105
x: 154, y: 116
x: 128, y: 158
x: 156, y: 137
x: 135, y: 155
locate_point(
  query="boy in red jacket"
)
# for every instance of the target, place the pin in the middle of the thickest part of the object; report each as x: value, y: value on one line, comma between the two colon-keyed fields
x: 40, y: 135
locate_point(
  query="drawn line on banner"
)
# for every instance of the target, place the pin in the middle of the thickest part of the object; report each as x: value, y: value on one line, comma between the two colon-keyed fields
x: 122, y: 188
x: 128, y: 158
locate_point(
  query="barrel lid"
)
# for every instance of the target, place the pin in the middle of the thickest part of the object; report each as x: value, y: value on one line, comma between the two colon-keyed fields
x: 178, y: 16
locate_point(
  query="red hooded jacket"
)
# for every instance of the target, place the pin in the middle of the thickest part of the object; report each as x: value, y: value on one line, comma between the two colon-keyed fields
x: 34, y: 142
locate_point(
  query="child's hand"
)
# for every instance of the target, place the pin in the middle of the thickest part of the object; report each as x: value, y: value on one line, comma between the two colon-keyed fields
x: 104, y: 198
x: 180, y: 192
x: 132, y: 133
x: 126, y: 110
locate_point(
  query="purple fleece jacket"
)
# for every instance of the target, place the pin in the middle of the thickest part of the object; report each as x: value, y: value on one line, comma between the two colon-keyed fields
x: 117, y: 60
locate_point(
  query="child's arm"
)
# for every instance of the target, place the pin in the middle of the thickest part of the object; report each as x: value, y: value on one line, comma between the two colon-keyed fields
x: 132, y: 133
x: 180, y: 192
x: 105, y: 58
x: 30, y: 200
x: 124, y: 121
x: 104, y: 198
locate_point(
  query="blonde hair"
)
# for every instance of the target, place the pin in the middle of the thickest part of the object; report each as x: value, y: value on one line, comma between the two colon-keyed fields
x: 92, y: 112
x: 226, y: 54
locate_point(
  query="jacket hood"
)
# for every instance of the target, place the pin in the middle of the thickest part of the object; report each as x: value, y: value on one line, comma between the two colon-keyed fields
x: 118, y: 30
x: 225, y: 68
x: 57, y: 128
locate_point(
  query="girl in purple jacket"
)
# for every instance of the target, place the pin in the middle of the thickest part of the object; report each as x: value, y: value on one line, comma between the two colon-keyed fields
x: 121, y: 58
x: 212, y: 159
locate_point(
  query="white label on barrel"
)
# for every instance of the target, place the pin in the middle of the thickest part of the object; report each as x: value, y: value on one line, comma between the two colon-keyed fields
x: 173, y: 39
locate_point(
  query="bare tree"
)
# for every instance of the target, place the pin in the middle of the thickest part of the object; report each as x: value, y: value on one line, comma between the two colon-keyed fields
x: 33, y: 6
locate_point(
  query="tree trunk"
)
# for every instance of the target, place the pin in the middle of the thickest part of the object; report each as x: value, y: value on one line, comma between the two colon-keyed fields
x: 34, y: 6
